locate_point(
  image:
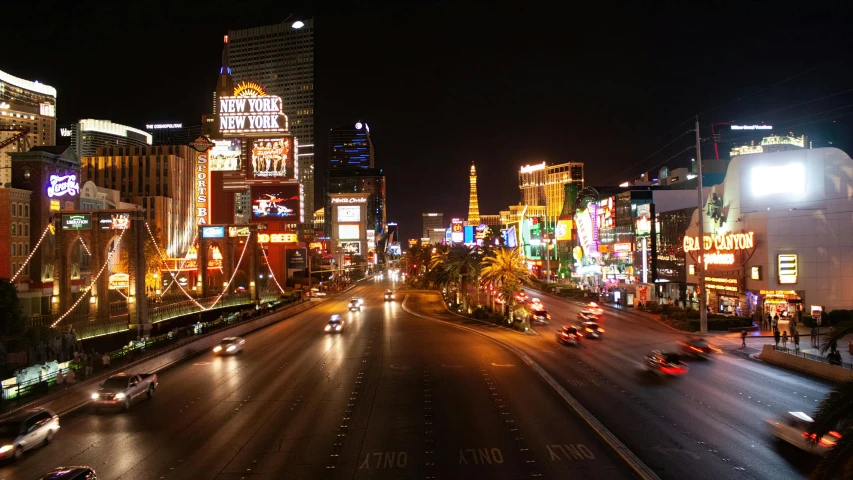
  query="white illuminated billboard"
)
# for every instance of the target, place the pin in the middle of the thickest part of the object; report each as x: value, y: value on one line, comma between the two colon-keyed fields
x: 225, y: 156
x: 768, y: 180
x: 348, y: 232
x: 349, y: 214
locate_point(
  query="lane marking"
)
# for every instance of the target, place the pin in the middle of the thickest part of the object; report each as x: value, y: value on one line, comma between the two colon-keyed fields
x: 571, y: 452
x: 502, y: 364
x: 640, y: 468
x: 481, y: 456
x: 385, y: 460
x: 665, y: 451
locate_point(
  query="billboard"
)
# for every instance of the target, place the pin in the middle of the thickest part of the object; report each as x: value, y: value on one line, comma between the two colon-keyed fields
x: 351, y: 248
x: 202, y: 188
x: 225, y: 156
x: 114, y: 221
x: 469, y: 234
x: 271, y: 158
x: 371, y: 239
x: 275, y: 203
x: 212, y: 232
x: 348, y: 213
x: 563, y: 231
x: 77, y: 222
x: 348, y: 232
x: 297, y: 258
x: 255, y: 113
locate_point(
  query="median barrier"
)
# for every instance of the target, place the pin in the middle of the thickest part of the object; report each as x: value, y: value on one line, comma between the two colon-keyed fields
x: 771, y: 355
x: 74, y: 397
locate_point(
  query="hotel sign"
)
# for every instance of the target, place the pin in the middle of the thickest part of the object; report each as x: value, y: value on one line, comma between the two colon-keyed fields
x: 349, y: 200
x: 720, y: 249
x: 251, y: 114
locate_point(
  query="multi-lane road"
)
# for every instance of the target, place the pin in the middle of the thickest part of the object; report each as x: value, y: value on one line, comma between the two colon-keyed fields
x: 393, y: 396
x: 707, y: 424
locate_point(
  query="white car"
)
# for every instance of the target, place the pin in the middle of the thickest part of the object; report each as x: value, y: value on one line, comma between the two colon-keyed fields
x: 229, y: 346
x: 794, y: 429
x: 26, y: 431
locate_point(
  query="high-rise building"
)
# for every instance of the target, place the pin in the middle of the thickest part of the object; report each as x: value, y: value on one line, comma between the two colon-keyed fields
x: 473, y: 203
x: 432, y: 221
x: 161, y: 179
x: 358, y: 180
x: 27, y: 119
x: 350, y: 146
x: 281, y: 58
x: 173, y: 133
x: 544, y: 185
x: 88, y: 135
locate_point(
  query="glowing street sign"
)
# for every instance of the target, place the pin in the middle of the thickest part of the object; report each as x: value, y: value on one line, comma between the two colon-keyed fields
x: 63, y: 185
x: 778, y: 179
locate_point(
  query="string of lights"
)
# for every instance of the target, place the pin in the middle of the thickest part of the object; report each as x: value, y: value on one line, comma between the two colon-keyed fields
x: 94, y: 280
x: 237, y: 267
x: 163, y: 259
x: 270, y: 269
x: 180, y: 269
x: 32, y: 252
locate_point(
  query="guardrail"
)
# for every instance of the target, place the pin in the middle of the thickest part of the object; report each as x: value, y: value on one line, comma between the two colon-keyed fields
x: 816, y: 358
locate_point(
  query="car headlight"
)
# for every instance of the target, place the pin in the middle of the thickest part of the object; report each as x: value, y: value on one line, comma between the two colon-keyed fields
x: 95, y: 396
x: 217, y: 348
x: 6, y: 448
x: 230, y: 349
x: 338, y: 328
x: 328, y: 328
x: 119, y: 396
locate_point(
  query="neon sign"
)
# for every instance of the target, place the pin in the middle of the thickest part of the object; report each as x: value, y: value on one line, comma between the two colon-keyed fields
x: 532, y: 168
x: 787, y: 264
x: 251, y: 114
x: 349, y: 200
x: 729, y: 241
x: 752, y: 127
x: 66, y: 185
x: 277, y: 238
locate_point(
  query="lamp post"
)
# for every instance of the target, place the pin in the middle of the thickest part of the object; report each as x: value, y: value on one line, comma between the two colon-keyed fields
x: 547, y: 241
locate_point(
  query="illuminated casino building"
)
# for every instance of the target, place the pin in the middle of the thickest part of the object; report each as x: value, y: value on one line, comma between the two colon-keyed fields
x: 27, y: 119
x: 173, y: 133
x: 777, y: 234
x: 473, y: 202
x: 543, y: 185
x: 350, y: 146
x: 88, y: 135
x: 281, y: 58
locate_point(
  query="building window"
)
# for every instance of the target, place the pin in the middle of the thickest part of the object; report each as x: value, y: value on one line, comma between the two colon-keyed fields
x: 26, y: 229
x: 21, y: 249
x: 26, y: 210
x: 20, y: 230
x: 13, y: 209
x: 13, y: 253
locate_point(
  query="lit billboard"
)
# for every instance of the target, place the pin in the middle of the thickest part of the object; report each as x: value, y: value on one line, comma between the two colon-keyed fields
x: 271, y: 158
x: 114, y: 221
x: 225, y: 155
x: 351, y: 248
x: 348, y: 213
x: 563, y: 231
x: 240, y: 114
x: 348, y: 232
x: 213, y: 232
x: 77, y: 222
x: 275, y: 203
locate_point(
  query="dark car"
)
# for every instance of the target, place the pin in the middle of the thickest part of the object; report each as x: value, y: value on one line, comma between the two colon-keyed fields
x: 71, y: 473
x: 591, y: 330
x: 696, y: 346
x: 541, y: 316
x: 665, y: 363
x: 568, y: 335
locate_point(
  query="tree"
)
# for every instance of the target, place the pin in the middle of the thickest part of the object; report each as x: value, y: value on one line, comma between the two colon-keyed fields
x: 504, y: 268
x: 12, y: 321
x: 462, y: 264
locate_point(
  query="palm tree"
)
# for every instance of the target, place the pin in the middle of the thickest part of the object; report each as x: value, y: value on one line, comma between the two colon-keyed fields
x: 504, y: 268
x: 461, y: 263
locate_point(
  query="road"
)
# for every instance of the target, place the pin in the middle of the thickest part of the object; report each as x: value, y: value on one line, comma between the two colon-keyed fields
x: 708, y: 424
x: 393, y: 396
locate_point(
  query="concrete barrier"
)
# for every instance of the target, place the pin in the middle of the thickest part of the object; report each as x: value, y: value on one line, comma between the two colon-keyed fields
x: 813, y: 367
x: 77, y: 396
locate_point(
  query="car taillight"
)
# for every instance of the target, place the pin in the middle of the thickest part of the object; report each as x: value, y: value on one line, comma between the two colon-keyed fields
x: 695, y: 349
x: 588, y: 329
x: 600, y: 330
x: 835, y: 434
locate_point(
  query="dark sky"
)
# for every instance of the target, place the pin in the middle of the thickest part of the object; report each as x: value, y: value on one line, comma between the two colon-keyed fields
x: 443, y: 84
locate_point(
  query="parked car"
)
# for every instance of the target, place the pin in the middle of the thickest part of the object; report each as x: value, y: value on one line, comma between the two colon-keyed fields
x: 26, y: 431
x: 229, y: 346
x: 71, y: 473
x: 795, y: 429
x: 665, y: 363
x: 569, y: 335
x: 122, y: 389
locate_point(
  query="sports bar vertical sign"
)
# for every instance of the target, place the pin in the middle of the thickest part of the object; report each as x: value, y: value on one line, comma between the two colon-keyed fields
x: 202, y: 146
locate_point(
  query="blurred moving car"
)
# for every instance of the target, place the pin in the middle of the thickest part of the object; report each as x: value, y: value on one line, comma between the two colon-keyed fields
x: 358, y: 299
x: 586, y: 316
x: 71, y: 473
x: 123, y: 388
x: 521, y: 297
x: 591, y: 330
x: 389, y: 295
x: 26, y: 431
x: 697, y: 346
x: 594, y: 308
x: 536, y: 302
x: 229, y: 346
x: 540, y: 316
x: 335, y: 325
x: 354, y: 306
x: 794, y: 429
x: 665, y: 363
x: 315, y: 292
x: 568, y: 335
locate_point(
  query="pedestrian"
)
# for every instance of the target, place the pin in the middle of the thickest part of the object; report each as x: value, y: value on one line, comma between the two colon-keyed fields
x: 70, y: 377
x: 60, y: 379
x: 776, y: 336
x: 106, y: 361
x: 88, y: 370
x: 814, y: 336
x: 743, y: 338
x: 775, y: 322
x: 785, y: 339
x: 796, y: 340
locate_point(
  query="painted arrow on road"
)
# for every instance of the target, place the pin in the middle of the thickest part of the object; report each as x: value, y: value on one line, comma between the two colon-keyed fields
x: 665, y: 451
x: 502, y: 365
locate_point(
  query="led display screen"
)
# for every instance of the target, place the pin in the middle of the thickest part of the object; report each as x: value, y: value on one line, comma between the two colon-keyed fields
x: 349, y: 213
x: 212, y: 232
x: 275, y: 203
x: 348, y: 232
x: 271, y: 158
x: 225, y: 155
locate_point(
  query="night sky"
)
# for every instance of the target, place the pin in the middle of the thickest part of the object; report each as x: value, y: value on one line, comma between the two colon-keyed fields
x: 441, y: 85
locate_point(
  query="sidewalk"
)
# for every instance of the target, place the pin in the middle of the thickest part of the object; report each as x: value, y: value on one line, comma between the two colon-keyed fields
x: 765, y: 337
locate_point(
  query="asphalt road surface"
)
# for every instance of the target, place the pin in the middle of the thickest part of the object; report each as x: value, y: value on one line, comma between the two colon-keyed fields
x: 707, y: 424
x: 393, y: 396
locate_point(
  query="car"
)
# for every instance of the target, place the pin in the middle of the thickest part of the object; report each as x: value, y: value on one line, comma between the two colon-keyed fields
x: 540, y: 316
x: 794, y: 429
x: 696, y: 346
x: 354, y: 306
x: 122, y: 389
x: 534, y: 302
x: 335, y: 325
x: 71, y: 473
x: 591, y: 330
x: 358, y: 299
x: 389, y: 296
x: 569, y: 335
x: 665, y: 363
x: 229, y: 346
x: 521, y: 297
x: 586, y: 316
x: 594, y: 308
x: 316, y: 292
x: 26, y: 431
